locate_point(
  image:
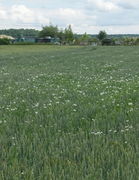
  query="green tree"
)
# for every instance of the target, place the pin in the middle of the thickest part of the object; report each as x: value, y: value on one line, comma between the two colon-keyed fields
x: 69, y: 36
x: 18, y: 33
x: 49, y: 31
x: 61, y: 35
x: 137, y: 41
x: 85, y: 37
x: 102, y: 35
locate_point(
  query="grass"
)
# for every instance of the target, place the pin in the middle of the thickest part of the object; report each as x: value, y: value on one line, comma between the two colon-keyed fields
x: 69, y: 113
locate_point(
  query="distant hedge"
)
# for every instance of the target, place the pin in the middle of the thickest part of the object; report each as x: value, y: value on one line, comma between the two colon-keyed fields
x: 32, y: 43
x: 24, y: 43
x: 108, y: 42
x: 4, y: 41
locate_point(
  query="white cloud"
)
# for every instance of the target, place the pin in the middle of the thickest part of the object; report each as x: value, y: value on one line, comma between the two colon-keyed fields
x: 119, y: 29
x: 114, y: 5
x: 127, y: 4
x: 3, y: 14
x: 20, y: 15
x: 69, y: 16
x: 114, y: 16
x: 103, y: 5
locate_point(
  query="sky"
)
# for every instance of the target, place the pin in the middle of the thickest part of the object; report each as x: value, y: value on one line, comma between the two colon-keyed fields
x: 90, y: 16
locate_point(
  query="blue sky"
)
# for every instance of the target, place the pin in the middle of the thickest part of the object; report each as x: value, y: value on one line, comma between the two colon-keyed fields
x: 91, y: 16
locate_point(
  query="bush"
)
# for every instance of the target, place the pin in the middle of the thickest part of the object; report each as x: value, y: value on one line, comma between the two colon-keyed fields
x: 108, y: 42
x: 137, y: 41
x: 34, y: 43
x: 4, y: 41
x: 24, y: 43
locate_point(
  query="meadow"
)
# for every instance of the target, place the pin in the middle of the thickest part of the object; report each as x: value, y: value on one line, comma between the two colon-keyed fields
x: 69, y: 113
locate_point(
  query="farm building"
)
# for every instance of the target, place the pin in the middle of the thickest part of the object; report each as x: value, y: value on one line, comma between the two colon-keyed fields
x: 118, y: 42
x: 48, y: 39
x: 28, y: 39
x: 6, y: 37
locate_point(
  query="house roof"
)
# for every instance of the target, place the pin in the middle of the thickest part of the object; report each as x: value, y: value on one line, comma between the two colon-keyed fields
x: 7, y: 37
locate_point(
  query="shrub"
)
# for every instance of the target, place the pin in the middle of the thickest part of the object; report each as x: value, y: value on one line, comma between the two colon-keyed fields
x: 108, y: 42
x: 137, y: 41
x: 24, y: 43
x: 4, y: 41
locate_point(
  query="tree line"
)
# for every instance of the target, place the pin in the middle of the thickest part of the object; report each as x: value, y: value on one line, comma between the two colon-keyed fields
x: 67, y: 36
x: 19, y: 33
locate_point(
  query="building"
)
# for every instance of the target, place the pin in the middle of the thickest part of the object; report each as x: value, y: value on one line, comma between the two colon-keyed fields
x: 6, y: 37
x: 27, y: 39
x: 30, y: 39
x: 48, y: 39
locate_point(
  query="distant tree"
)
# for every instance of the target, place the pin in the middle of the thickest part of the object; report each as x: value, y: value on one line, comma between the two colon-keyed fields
x: 49, y: 31
x: 85, y: 39
x: 95, y: 40
x: 129, y: 41
x: 102, y: 35
x: 18, y: 33
x: 61, y: 36
x: 69, y: 36
x: 76, y: 40
x: 137, y: 41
